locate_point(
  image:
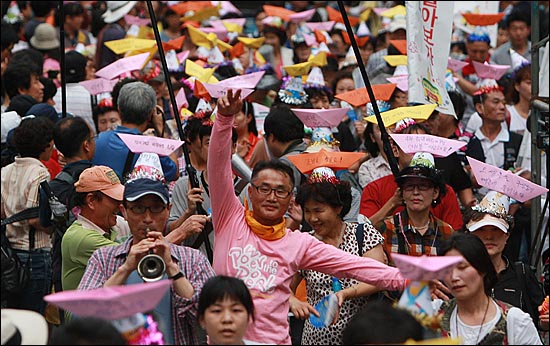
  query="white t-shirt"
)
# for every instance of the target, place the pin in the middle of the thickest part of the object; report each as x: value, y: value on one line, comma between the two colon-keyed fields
x: 517, y: 122
x: 520, y: 328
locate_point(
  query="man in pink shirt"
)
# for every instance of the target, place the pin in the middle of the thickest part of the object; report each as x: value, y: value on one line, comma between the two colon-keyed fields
x: 255, y: 245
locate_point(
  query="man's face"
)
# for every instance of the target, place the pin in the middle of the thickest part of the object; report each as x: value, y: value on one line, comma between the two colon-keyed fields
x: 74, y: 22
x: 493, y: 108
x: 518, y: 32
x: 268, y: 209
x: 147, y: 213
x: 105, y: 212
x: 478, y: 51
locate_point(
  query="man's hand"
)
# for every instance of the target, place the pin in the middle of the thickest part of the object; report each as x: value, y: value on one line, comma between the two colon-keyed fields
x: 230, y: 104
x: 194, y: 196
x: 301, y: 310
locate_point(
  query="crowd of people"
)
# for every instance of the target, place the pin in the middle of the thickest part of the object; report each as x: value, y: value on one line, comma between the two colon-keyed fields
x: 250, y: 252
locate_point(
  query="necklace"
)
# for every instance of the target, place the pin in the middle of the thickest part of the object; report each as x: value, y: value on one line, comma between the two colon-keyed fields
x: 480, y: 326
x: 421, y: 227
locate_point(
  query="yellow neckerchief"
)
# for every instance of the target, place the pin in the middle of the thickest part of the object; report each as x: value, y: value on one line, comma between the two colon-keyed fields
x: 265, y: 232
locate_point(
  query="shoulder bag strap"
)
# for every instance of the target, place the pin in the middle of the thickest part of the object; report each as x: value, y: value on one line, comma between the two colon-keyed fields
x: 400, y: 235
x: 519, y: 268
x: 26, y: 214
x: 128, y: 165
x: 360, y: 235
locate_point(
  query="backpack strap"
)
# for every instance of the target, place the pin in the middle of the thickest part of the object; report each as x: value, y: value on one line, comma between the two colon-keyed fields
x: 65, y: 177
x: 360, y: 235
x: 29, y: 213
x: 519, y: 269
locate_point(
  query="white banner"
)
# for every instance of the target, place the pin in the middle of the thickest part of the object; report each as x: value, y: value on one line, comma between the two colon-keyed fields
x: 429, y: 28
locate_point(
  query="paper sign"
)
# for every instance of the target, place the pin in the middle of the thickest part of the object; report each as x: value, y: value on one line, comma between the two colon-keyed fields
x: 307, y: 162
x: 133, y: 20
x: 425, y: 268
x: 98, y: 85
x: 490, y: 71
x: 303, y: 16
x: 455, y: 65
x: 505, y: 182
x: 391, y: 117
x: 437, y: 146
x: 321, y: 26
x: 218, y: 91
x: 123, y: 65
x: 128, y: 44
x: 247, y: 81
x: 320, y: 117
x: 149, y: 144
x: 181, y: 99
x: 112, y: 303
x: 360, y: 97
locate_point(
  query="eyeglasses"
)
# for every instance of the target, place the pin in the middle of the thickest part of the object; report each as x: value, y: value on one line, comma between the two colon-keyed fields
x: 266, y: 190
x: 420, y: 186
x: 139, y: 209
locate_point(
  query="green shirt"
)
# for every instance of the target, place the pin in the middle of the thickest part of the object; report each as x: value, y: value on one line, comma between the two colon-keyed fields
x: 77, y: 246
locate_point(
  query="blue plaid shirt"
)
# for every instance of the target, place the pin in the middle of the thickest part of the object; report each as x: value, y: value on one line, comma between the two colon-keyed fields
x: 192, y: 263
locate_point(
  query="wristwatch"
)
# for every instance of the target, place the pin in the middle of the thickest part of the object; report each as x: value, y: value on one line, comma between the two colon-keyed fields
x: 175, y: 277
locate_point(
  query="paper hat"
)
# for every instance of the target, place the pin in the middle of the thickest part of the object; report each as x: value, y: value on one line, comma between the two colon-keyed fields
x: 455, y: 65
x: 479, y: 34
x: 121, y: 66
x: 483, y: 19
x: 504, y: 181
x: 360, y: 97
x: 336, y: 16
x: 292, y: 91
x: 276, y: 11
x: 100, y: 178
x: 363, y: 30
x: 322, y: 175
x: 322, y: 138
x: 307, y: 162
x: 518, y: 61
x: 425, y: 268
x: 312, y: 117
x: 113, y: 302
x: 422, y: 166
x: 420, y: 112
x: 487, y: 85
x: 396, y: 60
x: 491, y: 71
x: 150, y: 144
x: 203, y: 14
x: 349, y: 59
x: 496, y: 205
x: 383, y: 106
x: 396, y: 11
x: 129, y: 44
x: 321, y: 26
x: 147, y: 166
x: 400, y: 45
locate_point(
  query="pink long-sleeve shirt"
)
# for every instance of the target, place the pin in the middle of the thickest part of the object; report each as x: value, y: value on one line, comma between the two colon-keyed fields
x: 267, y: 267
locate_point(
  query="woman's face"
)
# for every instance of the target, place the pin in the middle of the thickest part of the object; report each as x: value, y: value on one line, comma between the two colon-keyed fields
x: 302, y: 52
x: 524, y: 89
x: 344, y: 85
x: 108, y: 121
x: 324, y: 218
x: 493, y: 239
x: 418, y: 194
x: 366, y: 51
x: 240, y: 121
x: 320, y: 102
x: 225, y: 322
x: 464, y: 280
x: 272, y: 39
x: 400, y: 99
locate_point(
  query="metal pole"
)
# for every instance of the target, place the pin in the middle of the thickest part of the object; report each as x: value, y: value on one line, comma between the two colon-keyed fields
x: 384, y: 134
x: 191, y: 171
x: 62, y: 62
x: 535, y: 115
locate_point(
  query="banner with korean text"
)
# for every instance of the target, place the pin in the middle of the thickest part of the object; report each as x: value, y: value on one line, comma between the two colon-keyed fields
x: 429, y: 28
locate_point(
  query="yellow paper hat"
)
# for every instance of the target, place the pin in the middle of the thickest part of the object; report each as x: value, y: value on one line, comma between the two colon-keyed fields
x: 129, y: 44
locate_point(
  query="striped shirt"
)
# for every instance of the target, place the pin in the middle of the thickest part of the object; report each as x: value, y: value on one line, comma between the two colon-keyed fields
x: 192, y: 263
x: 413, y: 243
x: 20, y: 183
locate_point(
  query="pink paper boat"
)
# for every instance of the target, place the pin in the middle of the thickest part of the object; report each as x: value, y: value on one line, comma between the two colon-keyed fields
x: 123, y: 65
x: 437, y: 146
x: 320, y: 117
